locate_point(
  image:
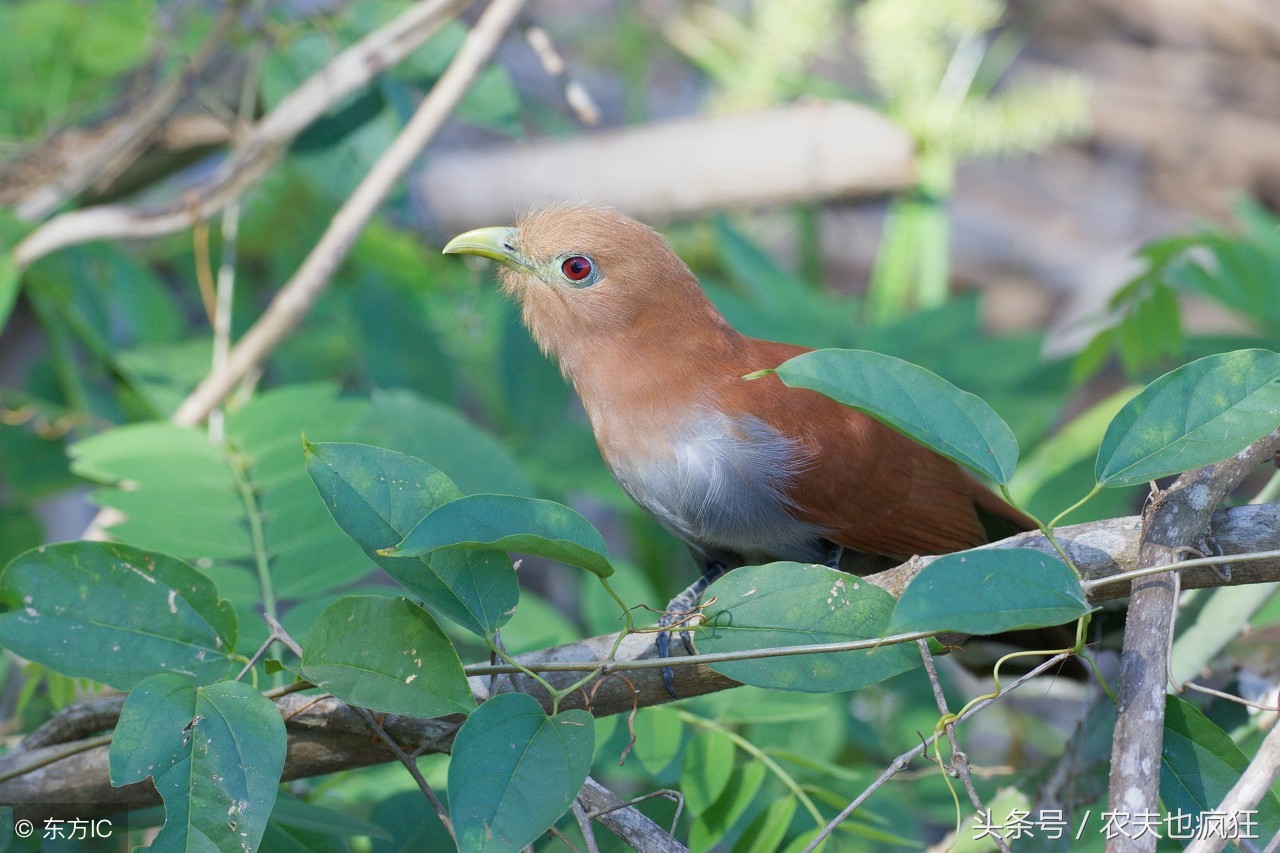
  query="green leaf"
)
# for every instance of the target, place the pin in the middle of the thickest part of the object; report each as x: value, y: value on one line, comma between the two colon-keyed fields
x: 1199, y: 764
x: 115, y: 614
x: 215, y: 753
x: 510, y: 523
x: 659, y: 732
x: 765, y: 833
x: 791, y: 604
x: 515, y: 771
x: 715, y: 823
x: 989, y: 591
x: 10, y: 283
x: 412, y: 827
x: 708, y: 764
x: 240, y: 504
x: 1199, y: 414
x: 912, y: 400
x: 443, y: 438
x: 377, y: 496
x: 406, y: 666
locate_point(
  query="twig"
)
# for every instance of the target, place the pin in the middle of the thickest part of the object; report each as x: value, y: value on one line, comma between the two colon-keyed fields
x: 261, y: 147
x: 905, y: 758
x: 1247, y: 792
x: 575, y: 94
x: 959, y: 760
x: 105, y: 161
x: 584, y: 826
x: 1174, y: 518
x: 624, y: 821
x: 297, y: 296
x: 411, y: 765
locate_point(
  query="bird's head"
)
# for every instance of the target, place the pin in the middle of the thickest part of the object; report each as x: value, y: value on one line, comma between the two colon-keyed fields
x: 586, y: 275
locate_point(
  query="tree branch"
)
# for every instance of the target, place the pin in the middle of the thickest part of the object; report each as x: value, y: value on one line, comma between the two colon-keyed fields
x: 258, y: 150
x: 326, y: 735
x: 1173, y: 519
x: 295, y: 299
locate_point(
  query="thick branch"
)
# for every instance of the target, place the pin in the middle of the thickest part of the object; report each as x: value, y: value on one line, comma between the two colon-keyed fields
x: 1175, y: 519
x: 325, y: 735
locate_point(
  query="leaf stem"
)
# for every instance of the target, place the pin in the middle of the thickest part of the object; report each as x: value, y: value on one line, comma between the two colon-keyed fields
x: 1075, y: 506
x: 760, y: 755
x: 517, y: 667
x: 691, y: 660
x: 1199, y: 562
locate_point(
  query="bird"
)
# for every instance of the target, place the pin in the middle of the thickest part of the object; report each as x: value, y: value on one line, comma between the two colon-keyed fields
x: 745, y: 472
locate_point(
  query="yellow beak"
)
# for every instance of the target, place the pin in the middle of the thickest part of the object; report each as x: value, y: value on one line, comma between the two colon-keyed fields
x: 500, y: 243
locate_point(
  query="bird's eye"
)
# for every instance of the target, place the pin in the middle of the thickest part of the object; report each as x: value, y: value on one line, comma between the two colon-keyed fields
x: 576, y: 268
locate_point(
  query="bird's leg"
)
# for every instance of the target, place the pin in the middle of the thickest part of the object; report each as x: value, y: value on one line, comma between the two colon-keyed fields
x: 678, y: 611
x: 833, y: 555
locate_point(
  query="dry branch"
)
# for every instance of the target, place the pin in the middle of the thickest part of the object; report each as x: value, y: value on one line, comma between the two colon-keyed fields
x: 1175, y: 518
x: 298, y: 295
x: 325, y: 735
x: 807, y: 151
x: 258, y: 150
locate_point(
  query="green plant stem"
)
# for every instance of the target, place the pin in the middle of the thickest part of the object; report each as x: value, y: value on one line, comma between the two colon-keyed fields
x: 257, y: 536
x: 521, y: 668
x: 1253, y: 556
x: 760, y: 755
x: 1075, y: 506
x: 692, y: 660
x: 626, y: 611
x: 66, y: 751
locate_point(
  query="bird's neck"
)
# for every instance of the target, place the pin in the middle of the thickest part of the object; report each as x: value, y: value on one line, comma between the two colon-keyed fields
x: 649, y: 376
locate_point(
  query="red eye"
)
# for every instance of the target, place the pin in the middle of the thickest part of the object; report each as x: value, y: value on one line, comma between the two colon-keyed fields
x: 576, y: 268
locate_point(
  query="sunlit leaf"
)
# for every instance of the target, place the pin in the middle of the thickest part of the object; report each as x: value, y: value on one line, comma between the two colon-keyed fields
x: 1199, y: 414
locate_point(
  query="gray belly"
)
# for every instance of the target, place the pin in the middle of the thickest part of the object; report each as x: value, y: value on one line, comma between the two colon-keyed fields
x: 723, y: 489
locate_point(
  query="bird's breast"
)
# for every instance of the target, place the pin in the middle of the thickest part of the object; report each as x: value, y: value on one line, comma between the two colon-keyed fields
x: 721, y: 483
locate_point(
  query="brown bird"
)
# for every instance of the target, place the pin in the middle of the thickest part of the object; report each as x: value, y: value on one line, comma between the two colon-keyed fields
x: 745, y: 472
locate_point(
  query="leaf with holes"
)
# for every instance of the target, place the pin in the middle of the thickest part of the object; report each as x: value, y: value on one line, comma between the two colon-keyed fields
x: 215, y: 753
x: 385, y: 654
x: 792, y: 604
x: 115, y: 614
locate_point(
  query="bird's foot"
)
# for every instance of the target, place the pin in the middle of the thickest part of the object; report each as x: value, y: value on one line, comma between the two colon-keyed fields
x: 681, y: 612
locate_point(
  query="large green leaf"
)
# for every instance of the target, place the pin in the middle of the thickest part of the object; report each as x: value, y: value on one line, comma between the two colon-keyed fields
x: 515, y: 771
x: 377, y: 496
x: 509, y: 523
x: 215, y: 753
x: 236, y: 507
x: 1199, y: 764
x: 115, y: 614
x: 1199, y: 414
x: 989, y: 591
x: 912, y: 400
x: 791, y: 604
x: 405, y: 666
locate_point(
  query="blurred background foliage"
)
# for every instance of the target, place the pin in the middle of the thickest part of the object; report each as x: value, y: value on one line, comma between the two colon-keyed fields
x: 423, y: 355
